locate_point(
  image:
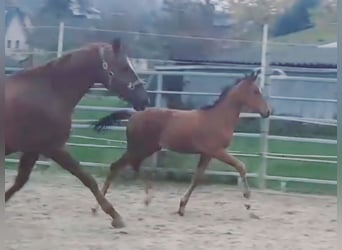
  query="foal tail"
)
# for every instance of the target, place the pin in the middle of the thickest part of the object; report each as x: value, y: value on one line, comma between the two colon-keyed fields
x: 111, y: 119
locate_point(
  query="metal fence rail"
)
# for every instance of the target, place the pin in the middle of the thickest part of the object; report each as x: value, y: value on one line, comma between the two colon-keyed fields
x: 85, y: 124
x: 264, y: 135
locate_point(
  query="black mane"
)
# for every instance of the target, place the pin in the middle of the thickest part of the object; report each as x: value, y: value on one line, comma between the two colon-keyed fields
x: 223, y: 94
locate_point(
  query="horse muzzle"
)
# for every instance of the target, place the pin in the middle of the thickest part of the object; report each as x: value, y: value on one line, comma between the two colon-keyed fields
x: 142, y: 105
x: 265, y: 114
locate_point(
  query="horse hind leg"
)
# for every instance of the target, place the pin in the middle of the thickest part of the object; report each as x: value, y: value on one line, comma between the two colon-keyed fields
x: 202, y: 165
x: 136, y: 161
x: 115, y: 168
x: 26, y: 164
x: 147, y: 180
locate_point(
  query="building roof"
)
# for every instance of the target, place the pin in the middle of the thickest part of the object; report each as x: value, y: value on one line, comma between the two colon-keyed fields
x: 293, y: 56
x: 11, y: 12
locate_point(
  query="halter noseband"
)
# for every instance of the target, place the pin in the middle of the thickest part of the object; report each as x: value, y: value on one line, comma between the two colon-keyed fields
x: 111, y: 74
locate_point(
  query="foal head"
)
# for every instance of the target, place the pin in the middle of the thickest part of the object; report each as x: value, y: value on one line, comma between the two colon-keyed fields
x: 247, y: 94
x: 118, y: 75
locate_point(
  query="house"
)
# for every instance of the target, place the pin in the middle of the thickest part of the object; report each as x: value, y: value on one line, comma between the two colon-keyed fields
x: 17, y: 24
x: 84, y: 9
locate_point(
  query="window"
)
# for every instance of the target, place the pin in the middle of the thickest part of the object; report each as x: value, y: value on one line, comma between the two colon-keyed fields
x: 17, y: 43
x: 9, y: 44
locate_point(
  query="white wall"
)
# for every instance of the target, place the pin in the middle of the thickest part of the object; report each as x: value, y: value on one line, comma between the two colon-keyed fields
x: 16, y: 32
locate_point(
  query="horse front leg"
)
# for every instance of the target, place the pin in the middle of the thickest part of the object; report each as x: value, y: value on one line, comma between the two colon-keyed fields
x: 223, y: 156
x: 114, y: 171
x: 202, y: 165
x: 64, y: 159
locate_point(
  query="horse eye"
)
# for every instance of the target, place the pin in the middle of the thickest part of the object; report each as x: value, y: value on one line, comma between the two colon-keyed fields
x: 256, y: 92
x: 110, y: 73
x: 131, y: 86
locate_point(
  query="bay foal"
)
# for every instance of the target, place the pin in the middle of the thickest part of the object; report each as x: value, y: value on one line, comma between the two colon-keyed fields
x: 207, y: 132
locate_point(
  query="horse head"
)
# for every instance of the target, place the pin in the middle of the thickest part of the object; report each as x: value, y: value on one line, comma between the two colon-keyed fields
x: 118, y: 75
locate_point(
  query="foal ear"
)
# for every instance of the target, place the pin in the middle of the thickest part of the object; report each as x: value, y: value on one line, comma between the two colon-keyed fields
x: 252, y: 77
x: 116, y: 45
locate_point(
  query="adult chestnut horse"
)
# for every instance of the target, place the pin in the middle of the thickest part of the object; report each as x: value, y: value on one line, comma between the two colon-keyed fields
x: 39, y: 104
x: 207, y: 132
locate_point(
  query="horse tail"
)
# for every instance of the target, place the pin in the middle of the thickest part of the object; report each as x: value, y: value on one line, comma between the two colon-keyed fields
x: 111, y: 119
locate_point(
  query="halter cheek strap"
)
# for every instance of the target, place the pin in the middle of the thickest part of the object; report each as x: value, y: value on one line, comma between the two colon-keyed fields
x: 131, y: 85
x: 105, y: 66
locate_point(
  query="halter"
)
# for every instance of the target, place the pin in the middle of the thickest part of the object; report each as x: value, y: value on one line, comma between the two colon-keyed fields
x: 111, y: 74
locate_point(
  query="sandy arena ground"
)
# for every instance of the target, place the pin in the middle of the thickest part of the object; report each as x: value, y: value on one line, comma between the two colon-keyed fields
x: 54, y: 213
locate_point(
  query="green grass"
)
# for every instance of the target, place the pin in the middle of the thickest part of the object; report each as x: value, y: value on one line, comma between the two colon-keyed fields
x: 315, y: 35
x: 324, y: 31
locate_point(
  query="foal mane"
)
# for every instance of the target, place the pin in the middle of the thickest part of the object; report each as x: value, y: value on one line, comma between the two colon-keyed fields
x: 222, y: 96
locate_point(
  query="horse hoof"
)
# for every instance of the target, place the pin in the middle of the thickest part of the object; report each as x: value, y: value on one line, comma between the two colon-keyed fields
x: 118, y: 223
x: 94, y: 211
x: 181, y: 212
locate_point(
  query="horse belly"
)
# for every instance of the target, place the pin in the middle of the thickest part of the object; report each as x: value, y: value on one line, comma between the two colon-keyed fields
x: 28, y: 129
x: 181, y: 142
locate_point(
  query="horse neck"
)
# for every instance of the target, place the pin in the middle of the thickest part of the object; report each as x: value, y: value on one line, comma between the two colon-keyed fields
x: 226, y: 113
x: 72, y: 83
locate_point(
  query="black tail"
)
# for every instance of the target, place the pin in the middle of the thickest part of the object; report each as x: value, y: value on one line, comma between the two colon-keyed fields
x: 111, y: 119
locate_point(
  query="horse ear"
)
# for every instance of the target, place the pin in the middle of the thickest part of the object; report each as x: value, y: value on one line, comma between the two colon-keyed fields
x: 116, y: 45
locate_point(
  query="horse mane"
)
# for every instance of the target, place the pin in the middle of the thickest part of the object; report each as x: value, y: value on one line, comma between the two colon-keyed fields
x: 58, y: 62
x: 222, y: 96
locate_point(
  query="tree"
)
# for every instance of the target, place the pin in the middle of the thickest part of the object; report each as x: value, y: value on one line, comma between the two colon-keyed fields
x: 184, y: 19
x: 251, y: 15
x: 51, y: 14
x: 10, y: 3
x: 258, y: 11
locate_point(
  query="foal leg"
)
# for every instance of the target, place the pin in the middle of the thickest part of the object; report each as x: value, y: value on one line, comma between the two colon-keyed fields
x: 223, y: 156
x: 115, y: 168
x: 135, y: 163
x: 26, y: 164
x: 64, y: 159
x: 202, y: 165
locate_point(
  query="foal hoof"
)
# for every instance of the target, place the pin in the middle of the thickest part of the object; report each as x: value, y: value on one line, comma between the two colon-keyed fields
x: 181, y: 211
x: 147, y: 200
x: 94, y: 211
x: 247, y: 206
x: 247, y: 194
x: 118, y: 223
